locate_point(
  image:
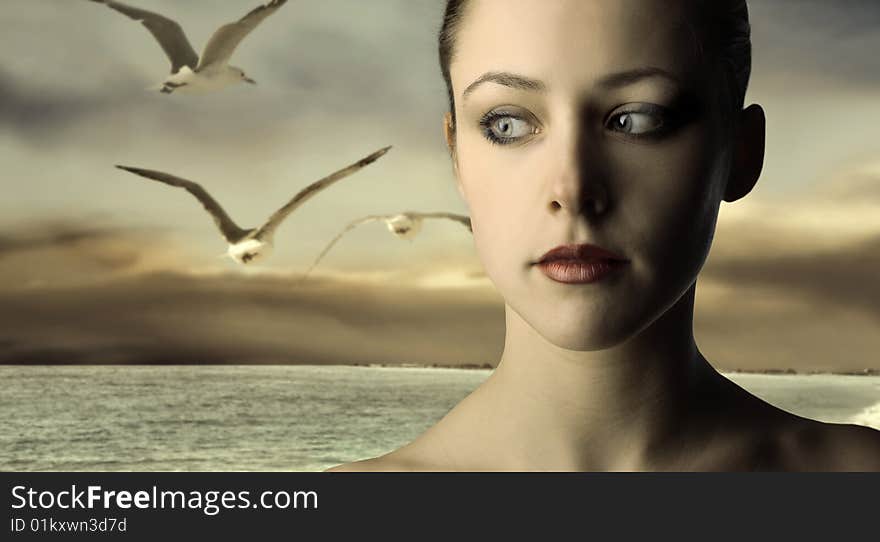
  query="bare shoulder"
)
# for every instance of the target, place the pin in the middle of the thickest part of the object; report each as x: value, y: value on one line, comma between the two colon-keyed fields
x: 376, y: 464
x: 405, y: 459
x: 819, y: 446
x: 429, y: 452
x: 365, y: 465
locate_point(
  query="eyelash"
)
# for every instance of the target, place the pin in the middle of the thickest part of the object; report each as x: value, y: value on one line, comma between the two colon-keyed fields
x: 486, y: 125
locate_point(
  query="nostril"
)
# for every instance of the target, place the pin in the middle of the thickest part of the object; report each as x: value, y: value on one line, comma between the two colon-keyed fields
x: 555, y: 205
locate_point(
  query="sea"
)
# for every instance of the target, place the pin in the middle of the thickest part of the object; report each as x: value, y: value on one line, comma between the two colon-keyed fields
x: 282, y: 418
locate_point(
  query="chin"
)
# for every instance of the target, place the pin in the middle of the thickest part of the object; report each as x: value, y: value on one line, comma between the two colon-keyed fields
x: 578, y: 338
x: 581, y: 327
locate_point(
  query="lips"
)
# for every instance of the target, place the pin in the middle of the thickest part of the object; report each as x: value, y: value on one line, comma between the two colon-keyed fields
x: 580, y: 264
x: 581, y: 253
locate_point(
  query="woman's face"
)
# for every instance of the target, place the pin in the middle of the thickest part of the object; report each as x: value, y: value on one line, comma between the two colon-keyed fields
x: 597, y: 127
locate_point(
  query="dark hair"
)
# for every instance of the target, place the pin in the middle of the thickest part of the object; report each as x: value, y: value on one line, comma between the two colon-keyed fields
x: 451, y: 21
x: 725, y: 42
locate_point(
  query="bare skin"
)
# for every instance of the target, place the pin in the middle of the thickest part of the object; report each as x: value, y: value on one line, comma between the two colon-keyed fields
x: 517, y: 421
x: 604, y: 376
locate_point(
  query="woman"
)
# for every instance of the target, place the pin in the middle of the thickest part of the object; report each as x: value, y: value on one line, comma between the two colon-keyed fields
x: 593, y: 141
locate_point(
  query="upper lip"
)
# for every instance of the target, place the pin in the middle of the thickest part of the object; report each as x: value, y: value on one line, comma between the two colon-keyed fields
x: 582, y: 252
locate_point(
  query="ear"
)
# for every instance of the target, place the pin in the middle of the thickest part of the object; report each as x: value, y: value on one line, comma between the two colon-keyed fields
x: 748, y: 156
x: 449, y: 134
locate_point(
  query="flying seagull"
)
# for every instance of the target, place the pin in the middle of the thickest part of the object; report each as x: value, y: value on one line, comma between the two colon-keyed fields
x: 403, y: 225
x: 247, y: 245
x: 189, y: 73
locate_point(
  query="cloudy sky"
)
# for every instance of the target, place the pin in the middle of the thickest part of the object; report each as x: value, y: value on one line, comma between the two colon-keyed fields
x: 99, y: 266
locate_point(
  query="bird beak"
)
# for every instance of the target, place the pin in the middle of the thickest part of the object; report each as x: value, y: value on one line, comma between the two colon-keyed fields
x: 249, y: 80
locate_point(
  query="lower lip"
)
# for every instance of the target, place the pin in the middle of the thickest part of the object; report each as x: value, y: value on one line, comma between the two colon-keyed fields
x: 580, y: 271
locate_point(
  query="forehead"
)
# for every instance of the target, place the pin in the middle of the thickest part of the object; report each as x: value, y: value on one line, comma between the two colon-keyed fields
x: 575, y: 41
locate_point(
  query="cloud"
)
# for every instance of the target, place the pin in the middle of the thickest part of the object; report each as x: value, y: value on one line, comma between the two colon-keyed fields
x: 36, y: 113
x: 318, y: 64
x: 845, y: 276
x: 837, y: 37
x: 856, y: 187
x: 792, y: 283
x: 175, y: 318
x: 57, y: 234
x: 68, y: 252
x: 752, y: 326
x: 843, y: 207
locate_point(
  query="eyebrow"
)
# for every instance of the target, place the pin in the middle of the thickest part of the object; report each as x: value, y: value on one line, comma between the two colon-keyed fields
x: 507, y: 79
x: 614, y: 80
x: 628, y: 77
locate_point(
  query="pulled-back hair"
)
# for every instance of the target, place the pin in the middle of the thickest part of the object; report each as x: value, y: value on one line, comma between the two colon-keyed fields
x: 724, y: 41
x: 446, y: 40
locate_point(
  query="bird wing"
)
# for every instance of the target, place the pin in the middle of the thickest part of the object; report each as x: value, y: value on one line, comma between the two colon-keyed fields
x: 167, y: 32
x: 228, y: 228
x: 278, y: 217
x: 351, y: 225
x: 224, y: 41
x: 464, y: 220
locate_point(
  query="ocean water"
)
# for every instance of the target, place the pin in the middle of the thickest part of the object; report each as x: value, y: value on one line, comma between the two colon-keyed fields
x: 291, y: 418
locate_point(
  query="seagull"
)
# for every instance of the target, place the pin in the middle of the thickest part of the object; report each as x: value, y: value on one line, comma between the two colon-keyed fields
x: 189, y: 73
x: 404, y: 225
x: 248, y: 245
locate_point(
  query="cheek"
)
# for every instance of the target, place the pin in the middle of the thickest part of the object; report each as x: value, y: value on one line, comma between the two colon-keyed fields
x: 669, y: 195
x: 501, y: 195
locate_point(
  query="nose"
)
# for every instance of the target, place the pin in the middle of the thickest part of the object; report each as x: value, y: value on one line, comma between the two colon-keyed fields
x: 575, y: 192
x: 578, y: 187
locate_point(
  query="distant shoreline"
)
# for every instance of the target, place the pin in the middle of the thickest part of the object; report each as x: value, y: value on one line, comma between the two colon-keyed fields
x: 464, y: 366
x: 487, y: 366
x: 863, y: 372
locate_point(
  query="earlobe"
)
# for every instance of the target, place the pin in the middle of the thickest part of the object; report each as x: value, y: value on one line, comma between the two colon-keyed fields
x: 748, y: 159
x: 449, y: 133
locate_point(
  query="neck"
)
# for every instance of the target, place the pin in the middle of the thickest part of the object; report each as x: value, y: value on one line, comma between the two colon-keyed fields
x: 616, y: 408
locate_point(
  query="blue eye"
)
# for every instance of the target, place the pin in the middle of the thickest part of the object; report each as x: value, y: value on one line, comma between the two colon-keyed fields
x: 504, y: 128
x: 636, y: 123
x: 639, y: 120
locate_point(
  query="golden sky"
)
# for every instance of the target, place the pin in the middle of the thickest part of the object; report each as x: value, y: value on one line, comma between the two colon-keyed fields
x: 99, y: 266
